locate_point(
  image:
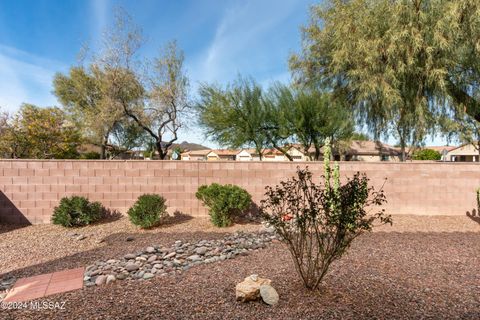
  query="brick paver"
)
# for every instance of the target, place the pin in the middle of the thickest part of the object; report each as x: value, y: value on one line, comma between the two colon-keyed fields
x: 45, y: 285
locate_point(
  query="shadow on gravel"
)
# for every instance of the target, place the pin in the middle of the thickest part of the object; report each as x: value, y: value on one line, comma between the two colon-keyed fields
x: 177, y: 218
x: 474, y: 215
x: 4, y: 228
x: 115, y: 246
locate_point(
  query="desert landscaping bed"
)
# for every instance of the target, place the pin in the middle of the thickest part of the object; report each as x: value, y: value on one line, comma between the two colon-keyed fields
x: 426, y: 272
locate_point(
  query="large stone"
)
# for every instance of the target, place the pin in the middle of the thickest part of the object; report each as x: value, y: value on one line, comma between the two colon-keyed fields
x: 269, y: 294
x: 121, y: 276
x: 110, y: 278
x: 131, y: 267
x: 201, y: 250
x: 152, y: 258
x: 150, y: 249
x: 170, y: 255
x: 249, y: 289
x: 130, y: 256
x: 100, y: 280
x: 194, y: 258
x: 148, y: 275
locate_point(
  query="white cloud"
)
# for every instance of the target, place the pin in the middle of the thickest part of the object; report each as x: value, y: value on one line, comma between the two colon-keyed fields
x: 100, y: 20
x: 240, y: 42
x: 25, y: 78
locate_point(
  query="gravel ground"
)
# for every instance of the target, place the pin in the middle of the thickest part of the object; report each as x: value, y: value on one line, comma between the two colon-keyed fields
x: 49, y: 247
x: 412, y: 270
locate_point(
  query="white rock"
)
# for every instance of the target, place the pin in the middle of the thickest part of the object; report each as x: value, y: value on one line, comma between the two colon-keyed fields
x: 110, y: 278
x: 269, y: 294
x: 249, y: 290
x: 170, y: 255
x: 100, y: 280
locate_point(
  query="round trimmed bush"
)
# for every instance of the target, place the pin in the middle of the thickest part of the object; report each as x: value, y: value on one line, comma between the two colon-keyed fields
x: 223, y: 202
x: 76, y: 211
x: 148, y: 211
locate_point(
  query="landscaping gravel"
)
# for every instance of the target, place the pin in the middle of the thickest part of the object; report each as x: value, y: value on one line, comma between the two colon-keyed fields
x: 385, y: 275
x: 179, y: 257
x: 50, y: 245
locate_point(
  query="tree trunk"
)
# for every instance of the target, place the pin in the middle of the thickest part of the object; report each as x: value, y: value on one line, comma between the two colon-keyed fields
x: 162, y: 154
x: 317, y: 153
x: 103, y: 148
x: 402, y: 150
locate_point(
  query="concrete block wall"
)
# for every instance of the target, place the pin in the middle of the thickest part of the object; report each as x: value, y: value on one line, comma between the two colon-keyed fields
x: 30, y: 189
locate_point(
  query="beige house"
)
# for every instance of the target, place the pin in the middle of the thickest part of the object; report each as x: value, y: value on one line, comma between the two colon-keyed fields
x: 247, y: 155
x: 463, y: 153
x: 369, y: 151
x: 222, y: 154
x: 357, y: 151
x: 297, y: 154
x: 195, y: 155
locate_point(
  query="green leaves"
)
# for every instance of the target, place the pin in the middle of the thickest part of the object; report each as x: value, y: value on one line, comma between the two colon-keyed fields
x: 233, y: 116
x: 223, y: 202
x: 40, y: 133
x: 426, y: 154
x: 76, y: 211
x: 399, y: 63
x: 148, y: 211
x: 319, y: 221
x: 243, y: 115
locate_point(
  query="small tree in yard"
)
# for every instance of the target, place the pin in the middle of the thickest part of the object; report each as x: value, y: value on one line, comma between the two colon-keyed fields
x: 318, y: 222
x: 426, y: 154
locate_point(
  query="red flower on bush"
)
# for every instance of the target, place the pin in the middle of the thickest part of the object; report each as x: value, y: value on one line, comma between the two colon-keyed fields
x: 287, y: 217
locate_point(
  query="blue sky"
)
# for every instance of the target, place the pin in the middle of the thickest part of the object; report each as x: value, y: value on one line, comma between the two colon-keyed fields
x: 220, y: 38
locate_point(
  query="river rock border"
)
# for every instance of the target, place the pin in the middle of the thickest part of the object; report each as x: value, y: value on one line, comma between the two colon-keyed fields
x: 179, y: 257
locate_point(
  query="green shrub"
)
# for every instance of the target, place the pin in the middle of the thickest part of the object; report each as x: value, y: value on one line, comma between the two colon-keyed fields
x: 76, y: 211
x: 319, y: 221
x: 223, y: 202
x: 148, y: 210
x: 426, y: 154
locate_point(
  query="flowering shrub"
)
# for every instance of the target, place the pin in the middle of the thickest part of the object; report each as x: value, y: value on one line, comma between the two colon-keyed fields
x: 318, y: 222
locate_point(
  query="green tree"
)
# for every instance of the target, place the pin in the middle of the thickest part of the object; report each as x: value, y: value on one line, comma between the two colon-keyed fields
x: 360, y: 136
x: 234, y: 117
x: 309, y: 117
x: 401, y: 63
x: 120, y: 90
x: 426, y: 154
x: 39, y: 133
x: 84, y: 92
